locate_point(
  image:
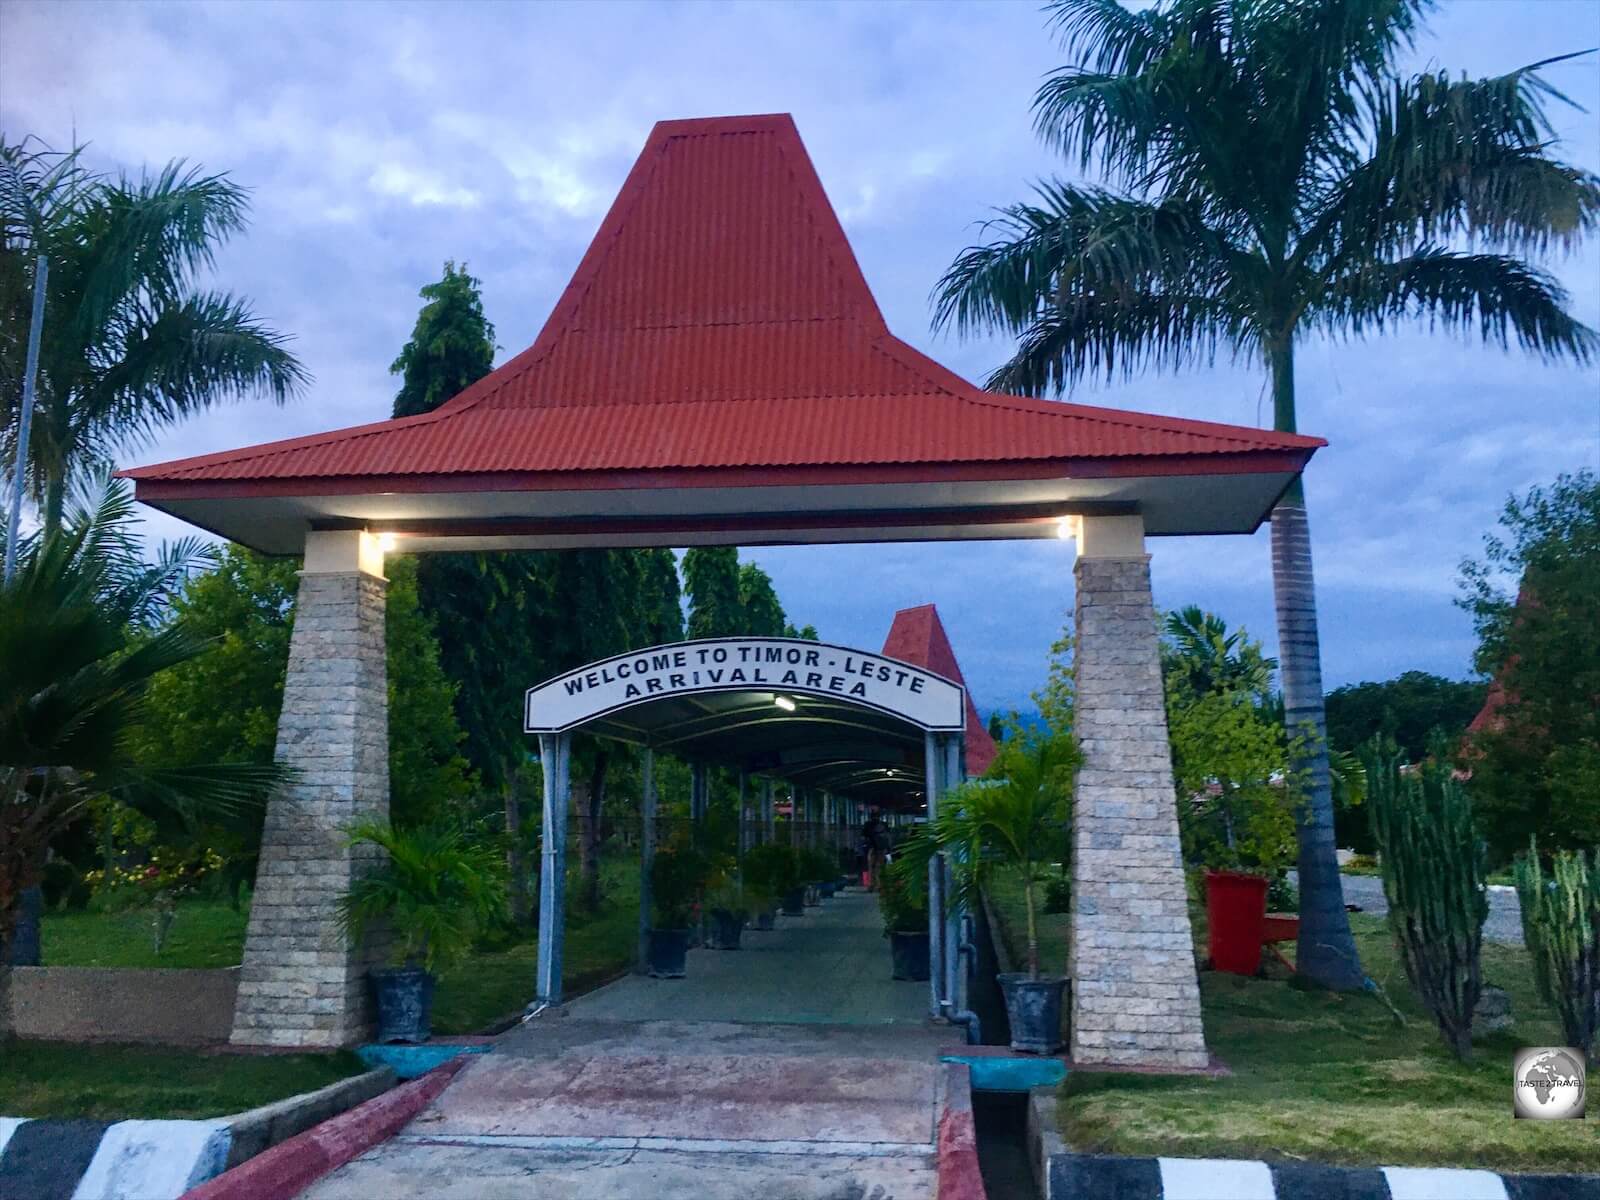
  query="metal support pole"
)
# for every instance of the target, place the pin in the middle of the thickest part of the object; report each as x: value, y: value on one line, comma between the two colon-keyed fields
x: 647, y: 854
x: 697, y: 792
x: 768, y: 812
x: 933, y: 768
x: 953, y: 911
x: 744, y: 820
x: 554, y: 753
x: 794, y: 816
x: 30, y: 369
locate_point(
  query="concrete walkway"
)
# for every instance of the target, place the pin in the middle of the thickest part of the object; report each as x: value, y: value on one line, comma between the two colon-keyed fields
x: 792, y: 1069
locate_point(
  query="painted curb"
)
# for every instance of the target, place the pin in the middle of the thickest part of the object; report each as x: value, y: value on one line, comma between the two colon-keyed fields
x: 959, y: 1176
x: 1118, y: 1177
x: 290, y: 1167
x: 1044, y: 1138
x: 257, y: 1130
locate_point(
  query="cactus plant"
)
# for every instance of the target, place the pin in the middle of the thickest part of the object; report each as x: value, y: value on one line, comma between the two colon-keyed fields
x: 1434, y: 871
x: 1561, y: 926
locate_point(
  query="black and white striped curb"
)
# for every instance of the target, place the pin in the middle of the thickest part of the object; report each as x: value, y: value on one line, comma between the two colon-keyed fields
x: 1112, y: 1177
x: 108, y: 1160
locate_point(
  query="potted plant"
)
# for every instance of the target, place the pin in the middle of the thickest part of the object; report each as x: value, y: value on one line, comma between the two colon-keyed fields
x: 768, y: 872
x: 433, y: 891
x: 676, y: 877
x: 814, y: 875
x: 730, y: 910
x: 1014, y: 818
x: 903, y: 901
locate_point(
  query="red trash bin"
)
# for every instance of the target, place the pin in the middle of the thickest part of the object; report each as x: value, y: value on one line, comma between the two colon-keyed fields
x: 1236, y: 910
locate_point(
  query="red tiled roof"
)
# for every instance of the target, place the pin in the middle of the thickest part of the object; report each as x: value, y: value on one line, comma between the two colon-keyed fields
x: 917, y: 636
x: 720, y: 320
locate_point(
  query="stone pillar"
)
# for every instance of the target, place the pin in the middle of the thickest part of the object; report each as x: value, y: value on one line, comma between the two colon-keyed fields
x: 1135, y: 996
x: 303, y: 983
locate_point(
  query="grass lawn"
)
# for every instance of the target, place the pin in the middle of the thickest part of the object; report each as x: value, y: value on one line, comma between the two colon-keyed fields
x: 58, y: 1079
x: 205, y: 933
x: 498, y: 979
x: 1325, y: 1077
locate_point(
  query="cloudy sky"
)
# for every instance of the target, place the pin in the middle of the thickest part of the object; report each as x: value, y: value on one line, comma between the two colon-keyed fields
x: 382, y: 139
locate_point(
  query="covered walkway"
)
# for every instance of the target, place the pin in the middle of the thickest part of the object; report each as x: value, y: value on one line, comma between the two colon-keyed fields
x: 830, y: 966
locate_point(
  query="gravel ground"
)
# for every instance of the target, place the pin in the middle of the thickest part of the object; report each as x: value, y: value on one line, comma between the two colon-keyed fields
x: 1505, y: 914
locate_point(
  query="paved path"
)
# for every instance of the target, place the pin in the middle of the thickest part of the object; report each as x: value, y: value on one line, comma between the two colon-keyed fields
x: 1505, y: 914
x: 792, y: 1069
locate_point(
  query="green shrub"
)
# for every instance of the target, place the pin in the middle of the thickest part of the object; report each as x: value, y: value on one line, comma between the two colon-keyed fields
x: 771, y: 871
x: 1561, y: 925
x: 1433, y: 878
x: 677, y: 877
x: 903, y: 896
x: 433, y: 891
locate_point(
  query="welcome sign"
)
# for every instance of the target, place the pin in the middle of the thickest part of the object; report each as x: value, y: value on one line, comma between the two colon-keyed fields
x: 782, y: 666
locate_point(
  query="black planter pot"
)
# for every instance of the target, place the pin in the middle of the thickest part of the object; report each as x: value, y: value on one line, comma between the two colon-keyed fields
x: 405, y: 1004
x: 669, y: 953
x: 794, y: 903
x: 725, y: 928
x: 909, y: 952
x: 766, y: 920
x: 1033, y: 1006
x: 827, y: 888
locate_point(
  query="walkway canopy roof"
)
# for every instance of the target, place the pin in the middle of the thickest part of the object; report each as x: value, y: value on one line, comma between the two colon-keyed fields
x: 851, y: 723
x: 717, y: 371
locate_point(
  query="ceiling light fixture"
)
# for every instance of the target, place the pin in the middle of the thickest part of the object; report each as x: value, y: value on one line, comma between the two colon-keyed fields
x: 1066, y: 529
x: 784, y: 703
x: 386, y: 541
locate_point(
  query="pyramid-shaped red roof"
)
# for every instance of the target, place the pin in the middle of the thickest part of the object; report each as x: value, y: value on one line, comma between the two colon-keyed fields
x: 718, y: 322
x: 917, y: 636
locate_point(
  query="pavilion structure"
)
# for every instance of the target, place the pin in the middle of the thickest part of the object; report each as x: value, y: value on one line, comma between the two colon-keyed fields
x: 717, y: 372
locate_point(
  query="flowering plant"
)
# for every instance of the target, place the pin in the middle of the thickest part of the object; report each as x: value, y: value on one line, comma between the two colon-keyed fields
x: 158, y: 883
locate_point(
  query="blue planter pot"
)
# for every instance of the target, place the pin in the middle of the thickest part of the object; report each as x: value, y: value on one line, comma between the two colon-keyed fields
x: 827, y: 889
x: 726, y: 927
x: 669, y: 953
x: 766, y: 920
x: 908, y: 951
x: 1033, y: 1006
x: 405, y: 1004
x: 794, y: 903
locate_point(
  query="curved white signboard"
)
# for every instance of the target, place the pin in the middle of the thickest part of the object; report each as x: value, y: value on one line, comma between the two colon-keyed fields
x: 782, y: 666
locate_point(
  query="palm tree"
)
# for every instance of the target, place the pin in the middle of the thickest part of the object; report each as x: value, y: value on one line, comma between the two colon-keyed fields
x: 1273, y: 176
x: 131, y: 343
x: 81, y: 637
x: 1211, y: 658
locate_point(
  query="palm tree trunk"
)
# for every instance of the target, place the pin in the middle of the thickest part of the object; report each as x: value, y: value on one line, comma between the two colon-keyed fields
x: 1326, y: 953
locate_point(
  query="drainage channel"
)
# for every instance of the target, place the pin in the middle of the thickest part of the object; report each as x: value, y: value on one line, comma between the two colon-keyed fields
x: 1001, y: 1118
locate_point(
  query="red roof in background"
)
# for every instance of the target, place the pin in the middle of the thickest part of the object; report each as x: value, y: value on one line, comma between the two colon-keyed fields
x: 917, y: 636
x: 720, y: 320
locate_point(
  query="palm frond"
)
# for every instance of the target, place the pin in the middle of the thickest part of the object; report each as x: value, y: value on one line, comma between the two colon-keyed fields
x: 1452, y: 158
x: 171, y: 362
x: 1495, y: 296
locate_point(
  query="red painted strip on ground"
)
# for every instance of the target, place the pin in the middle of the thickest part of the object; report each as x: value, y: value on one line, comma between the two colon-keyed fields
x: 290, y: 1167
x: 959, y: 1176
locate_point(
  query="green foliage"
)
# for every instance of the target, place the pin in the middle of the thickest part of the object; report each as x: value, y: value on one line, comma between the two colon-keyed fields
x: 1535, y: 601
x: 711, y: 579
x: 1407, y: 710
x: 1206, y: 657
x: 428, y: 777
x: 763, y: 615
x: 79, y: 657
x: 1055, y: 698
x: 132, y: 342
x: 451, y: 347
x: 816, y: 866
x: 1434, y: 872
x: 432, y: 890
x: 1015, y: 817
x: 1237, y: 794
x: 222, y: 705
x: 677, y: 876
x: 1561, y: 926
x: 771, y: 870
x: 903, y: 896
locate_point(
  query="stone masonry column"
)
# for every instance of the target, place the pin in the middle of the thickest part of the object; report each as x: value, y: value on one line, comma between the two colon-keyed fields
x: 302, y: 983
x: 1135, y: 996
